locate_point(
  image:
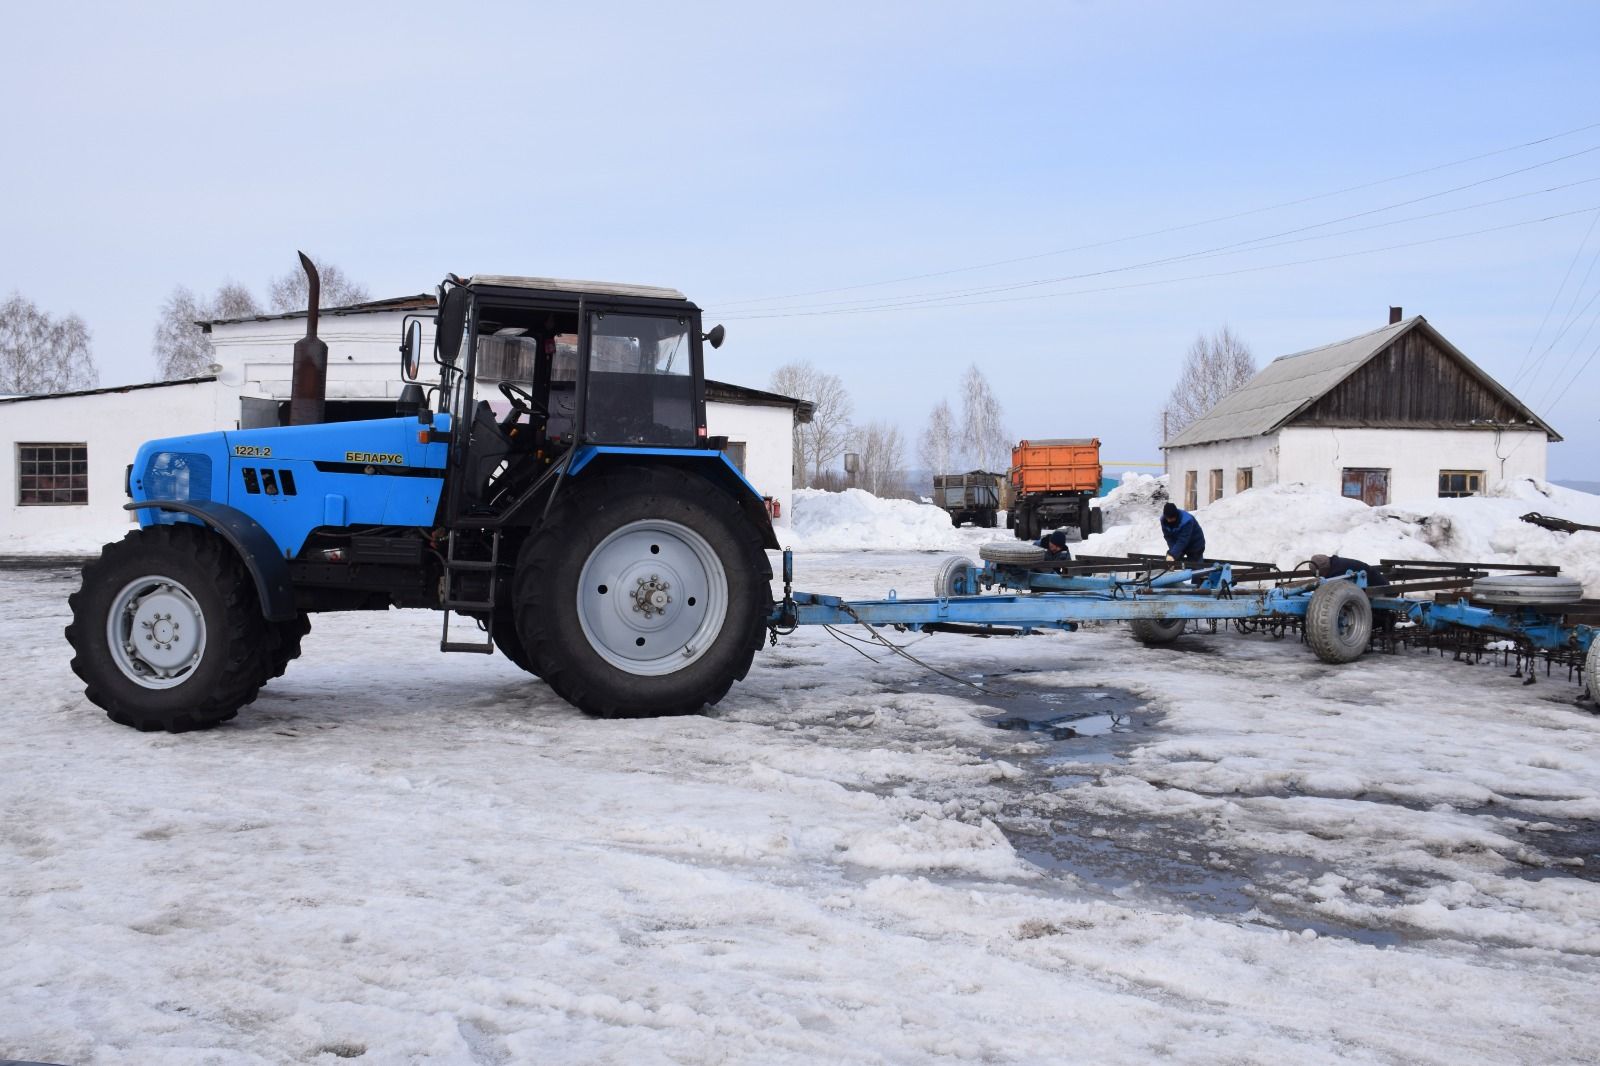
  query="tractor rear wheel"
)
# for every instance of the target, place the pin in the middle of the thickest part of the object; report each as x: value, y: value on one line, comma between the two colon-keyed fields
x: 167, y: 630
x: 1339, y: 622
x: 1157, y: 630
x: 647, y: 594
x: 504, y: 631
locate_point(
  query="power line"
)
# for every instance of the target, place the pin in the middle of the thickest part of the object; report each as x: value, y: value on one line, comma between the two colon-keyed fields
x: 923, y: 305
x: 1169, y: 229
x: 1568, y: 319
x: 1251, y: 245
x: 1523, y: 365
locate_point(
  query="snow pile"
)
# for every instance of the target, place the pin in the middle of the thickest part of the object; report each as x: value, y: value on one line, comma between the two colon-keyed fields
x: 1287, y: 524
x: 1137, y: 498
x: 844, y: 521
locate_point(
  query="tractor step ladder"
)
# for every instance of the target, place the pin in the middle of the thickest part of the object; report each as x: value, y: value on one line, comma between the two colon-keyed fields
x: 454, y: 567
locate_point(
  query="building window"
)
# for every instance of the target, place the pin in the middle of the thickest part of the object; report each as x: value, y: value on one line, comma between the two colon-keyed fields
x: 1191, y: 490
x: 735, y: 451
x: 52, y: 474
x: 1244, y: 479
x: 1369, y: 485
x: 1216, y: 486
x: 1460, y: 482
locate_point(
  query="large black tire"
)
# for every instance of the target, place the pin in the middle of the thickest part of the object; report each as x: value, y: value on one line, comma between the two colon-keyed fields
x: 136, y: 583
x: 1157, y: 630
x: 1533, y: 590
x: 504, y: 632
x: 283, y: 643
x: 630, y: 526
x: 1097, y: 520
x: 1339, y: 622
x: 1005, y: 552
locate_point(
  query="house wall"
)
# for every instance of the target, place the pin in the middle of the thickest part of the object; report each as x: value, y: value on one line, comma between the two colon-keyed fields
x: 1318, y: 457
x: 113, y: 425
x: 1413, y: 457
x: 1259, y: 454
x: 257, y: 358
x: 767, y: 434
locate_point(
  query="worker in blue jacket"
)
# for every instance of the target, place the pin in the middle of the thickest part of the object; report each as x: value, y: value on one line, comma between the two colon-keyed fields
x: 1186, y: 541
x: 1056, y: 544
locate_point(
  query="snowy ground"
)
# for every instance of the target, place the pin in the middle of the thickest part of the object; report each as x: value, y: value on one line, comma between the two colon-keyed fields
x: 399, y: 856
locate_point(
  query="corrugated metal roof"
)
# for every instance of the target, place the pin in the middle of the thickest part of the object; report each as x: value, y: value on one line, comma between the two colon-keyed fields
x: 604, y: 288
x: 422, y: 301
x: 1287, y: 386
x: 106, y: 390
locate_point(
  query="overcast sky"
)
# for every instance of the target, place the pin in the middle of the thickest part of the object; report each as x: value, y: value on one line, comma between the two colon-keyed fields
x: 752, y: 158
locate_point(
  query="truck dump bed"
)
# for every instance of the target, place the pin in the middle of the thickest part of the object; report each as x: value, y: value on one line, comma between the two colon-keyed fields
x: 976, y: 488
x: 1057, y: 465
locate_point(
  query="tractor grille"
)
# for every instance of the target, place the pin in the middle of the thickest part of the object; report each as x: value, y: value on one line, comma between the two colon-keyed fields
x: 178, y: 476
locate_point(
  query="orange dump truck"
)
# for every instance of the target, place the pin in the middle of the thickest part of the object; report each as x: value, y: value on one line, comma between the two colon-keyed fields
x: 1053, y: 482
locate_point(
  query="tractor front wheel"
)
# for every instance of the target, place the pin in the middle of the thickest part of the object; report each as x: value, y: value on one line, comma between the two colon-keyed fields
x: 167, y: 631
x: 647, y: 594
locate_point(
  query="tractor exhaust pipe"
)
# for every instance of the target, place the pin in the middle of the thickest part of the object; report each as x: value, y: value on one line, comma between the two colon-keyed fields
x: 309, y: 387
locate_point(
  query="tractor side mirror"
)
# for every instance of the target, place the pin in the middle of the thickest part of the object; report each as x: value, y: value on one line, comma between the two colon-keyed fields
x: 411, y: 351
x: 715, y: 337
x: 451, y: 325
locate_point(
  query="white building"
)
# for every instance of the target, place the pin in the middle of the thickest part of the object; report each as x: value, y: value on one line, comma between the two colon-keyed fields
x: 1392, y: 415
x: 66, y: 456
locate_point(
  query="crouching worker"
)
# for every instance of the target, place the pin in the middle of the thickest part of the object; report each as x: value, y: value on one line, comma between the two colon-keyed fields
x: 1056, y: 544
x: 1186, y: 541
x: 1326, y: 566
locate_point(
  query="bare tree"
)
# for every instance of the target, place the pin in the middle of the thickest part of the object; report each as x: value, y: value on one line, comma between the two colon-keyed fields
x: 181, y: 348
x: 882, y: 470
x: 40, y: 354
x: 1215, y: 366
x: 288, y: 292
x: 936, y: 449
x: 983, y: 432
x: 826, y: 437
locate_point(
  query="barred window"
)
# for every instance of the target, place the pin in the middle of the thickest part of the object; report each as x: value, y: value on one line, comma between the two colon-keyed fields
x: 52, y: 474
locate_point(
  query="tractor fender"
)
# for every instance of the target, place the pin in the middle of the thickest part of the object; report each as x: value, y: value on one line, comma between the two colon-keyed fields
x: 256, y: 548
x: 715, y: 467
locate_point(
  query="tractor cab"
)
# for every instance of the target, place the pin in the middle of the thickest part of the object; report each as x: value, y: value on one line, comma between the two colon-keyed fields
x: 534, y: 370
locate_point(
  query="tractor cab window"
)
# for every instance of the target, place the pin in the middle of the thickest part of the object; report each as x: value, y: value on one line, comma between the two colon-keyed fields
x: 640, y: 381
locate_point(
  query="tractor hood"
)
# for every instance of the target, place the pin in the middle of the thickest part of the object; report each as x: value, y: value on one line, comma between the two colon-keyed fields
x: 292, y: 479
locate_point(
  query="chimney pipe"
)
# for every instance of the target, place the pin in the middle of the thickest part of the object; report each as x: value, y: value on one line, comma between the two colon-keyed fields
x: 309, y: 386
x: 1394, y: 315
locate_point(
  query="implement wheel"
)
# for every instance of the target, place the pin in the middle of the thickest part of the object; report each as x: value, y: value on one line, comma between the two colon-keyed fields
x: 167, y: 631
x: 646, y: 594
x: 1591, y: 670
x: 1157, y: 630
x: 1339, y: 622
x: 954, y: 578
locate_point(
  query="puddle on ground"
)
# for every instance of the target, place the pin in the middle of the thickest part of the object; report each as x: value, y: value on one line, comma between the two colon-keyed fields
x: 1084, y: 728
x: 1069, y: 713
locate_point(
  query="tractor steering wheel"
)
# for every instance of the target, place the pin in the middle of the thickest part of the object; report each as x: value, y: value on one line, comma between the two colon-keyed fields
x: 522, y: 403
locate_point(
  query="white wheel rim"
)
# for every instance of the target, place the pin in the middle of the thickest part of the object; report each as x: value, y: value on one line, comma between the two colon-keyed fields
x: 652, y: 597
x: 156, y: 632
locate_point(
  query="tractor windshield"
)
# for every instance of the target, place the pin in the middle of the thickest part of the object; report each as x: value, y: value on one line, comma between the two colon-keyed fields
x: 640, y: 382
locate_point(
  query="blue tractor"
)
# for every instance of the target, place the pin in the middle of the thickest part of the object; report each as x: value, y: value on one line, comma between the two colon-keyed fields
x: 557, y: 486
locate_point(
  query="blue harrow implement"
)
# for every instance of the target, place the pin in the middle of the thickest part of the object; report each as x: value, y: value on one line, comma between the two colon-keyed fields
x: 1019, y: 589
